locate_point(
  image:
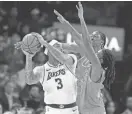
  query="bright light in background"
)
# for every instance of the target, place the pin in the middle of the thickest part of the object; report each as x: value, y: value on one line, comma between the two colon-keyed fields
x: 115, y: 37
x: 69, y: 39
x: 113, y: 44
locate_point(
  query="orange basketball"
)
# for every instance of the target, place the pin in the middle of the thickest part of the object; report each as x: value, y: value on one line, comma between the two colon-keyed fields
x: 30, y: 43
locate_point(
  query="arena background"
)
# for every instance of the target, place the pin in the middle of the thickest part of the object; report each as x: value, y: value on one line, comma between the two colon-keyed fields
x: 113, y: 18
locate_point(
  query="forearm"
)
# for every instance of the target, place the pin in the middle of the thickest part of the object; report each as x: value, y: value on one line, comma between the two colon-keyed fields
x: 78, y: 38
x: 30, y: 77
x: 85, y: 33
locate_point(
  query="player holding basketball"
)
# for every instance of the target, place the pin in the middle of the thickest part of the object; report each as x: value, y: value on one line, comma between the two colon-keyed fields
x: 101, y: 72
x: 56, y: 76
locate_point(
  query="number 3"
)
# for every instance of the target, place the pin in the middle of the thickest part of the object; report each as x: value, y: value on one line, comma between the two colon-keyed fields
x: 59, y: 81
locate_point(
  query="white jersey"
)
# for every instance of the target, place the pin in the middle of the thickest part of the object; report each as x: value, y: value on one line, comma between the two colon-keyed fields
x: 59, y: 83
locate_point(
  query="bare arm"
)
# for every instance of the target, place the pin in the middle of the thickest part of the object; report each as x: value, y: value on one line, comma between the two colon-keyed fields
x: 78, y: 36
x: 31, y: 77
x: 90, y: 53
x: 74, y: 32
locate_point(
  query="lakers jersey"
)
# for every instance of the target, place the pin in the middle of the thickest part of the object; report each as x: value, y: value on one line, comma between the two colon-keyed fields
x: 59, y: 83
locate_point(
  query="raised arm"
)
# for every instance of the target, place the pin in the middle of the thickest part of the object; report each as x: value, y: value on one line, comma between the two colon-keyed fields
x: 78, y: 39
x: 32, y: 76
x: 90, y: 53
x: 60, y: 56
x: 85, y: 33
x: 77, y: 35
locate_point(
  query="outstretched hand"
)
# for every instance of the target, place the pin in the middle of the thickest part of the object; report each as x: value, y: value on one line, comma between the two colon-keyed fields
x: 18, y: 46
x: 80, y: 10
x: 60, y: 17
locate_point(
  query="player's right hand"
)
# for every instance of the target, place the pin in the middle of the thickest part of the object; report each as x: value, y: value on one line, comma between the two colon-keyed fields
x: 28, y: 54
x: 18, y: 45
x: 60, y: 17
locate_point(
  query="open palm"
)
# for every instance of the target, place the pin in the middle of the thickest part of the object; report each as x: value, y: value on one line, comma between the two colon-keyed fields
x: 80, y: 10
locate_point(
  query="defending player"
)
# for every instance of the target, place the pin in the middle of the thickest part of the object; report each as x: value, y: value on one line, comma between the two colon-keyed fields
x: 101, y: 72
x: 57, y: 78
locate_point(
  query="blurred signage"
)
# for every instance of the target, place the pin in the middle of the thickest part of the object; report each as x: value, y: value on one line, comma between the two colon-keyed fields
x: 115, y: 37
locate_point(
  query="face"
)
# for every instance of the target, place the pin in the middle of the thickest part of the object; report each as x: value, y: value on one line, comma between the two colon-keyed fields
x: 111, y: 107
x: 96, y: 40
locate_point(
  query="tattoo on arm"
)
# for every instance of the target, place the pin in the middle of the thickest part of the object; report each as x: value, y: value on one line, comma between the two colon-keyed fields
x: 31, y: 78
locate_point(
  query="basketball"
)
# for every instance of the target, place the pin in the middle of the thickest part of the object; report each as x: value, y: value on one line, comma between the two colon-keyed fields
x: 30, y: 43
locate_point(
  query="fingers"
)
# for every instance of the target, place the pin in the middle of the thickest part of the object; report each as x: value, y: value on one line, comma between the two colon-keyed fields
x: 77, y: 7
x: 79, y: 3
x: 59, y: 19
x: 57, y: 13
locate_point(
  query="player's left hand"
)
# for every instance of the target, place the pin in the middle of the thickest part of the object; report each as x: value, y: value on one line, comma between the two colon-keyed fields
x: 18, y: 45
x: 60, y: 17
x: 80, y: 10
x: 40, y: 38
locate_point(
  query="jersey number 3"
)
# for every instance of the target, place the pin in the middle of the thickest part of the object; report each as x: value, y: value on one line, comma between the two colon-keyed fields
x: 59, y: 81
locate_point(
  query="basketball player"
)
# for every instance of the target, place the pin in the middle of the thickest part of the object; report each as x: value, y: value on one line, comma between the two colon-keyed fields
x: 91, y: 101
x: 57, y: 78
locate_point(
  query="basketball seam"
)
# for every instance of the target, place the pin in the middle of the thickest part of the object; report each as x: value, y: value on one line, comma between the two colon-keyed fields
x: 24, y: 43
x: 35, y: 45
x: 28, y: 46
x: 32, y: 41
x: 36, y: 39
x: 35, y: 36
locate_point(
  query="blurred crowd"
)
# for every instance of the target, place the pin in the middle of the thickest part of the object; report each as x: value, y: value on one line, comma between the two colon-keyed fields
x: 16, y: 97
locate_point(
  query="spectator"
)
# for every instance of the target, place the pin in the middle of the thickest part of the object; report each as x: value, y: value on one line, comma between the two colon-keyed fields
x: 35, y: 97
x: 4, y: 75
x: 34, y: 22
x: 13, y: 20
x: 7, y: 96
x: 25, y: 30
